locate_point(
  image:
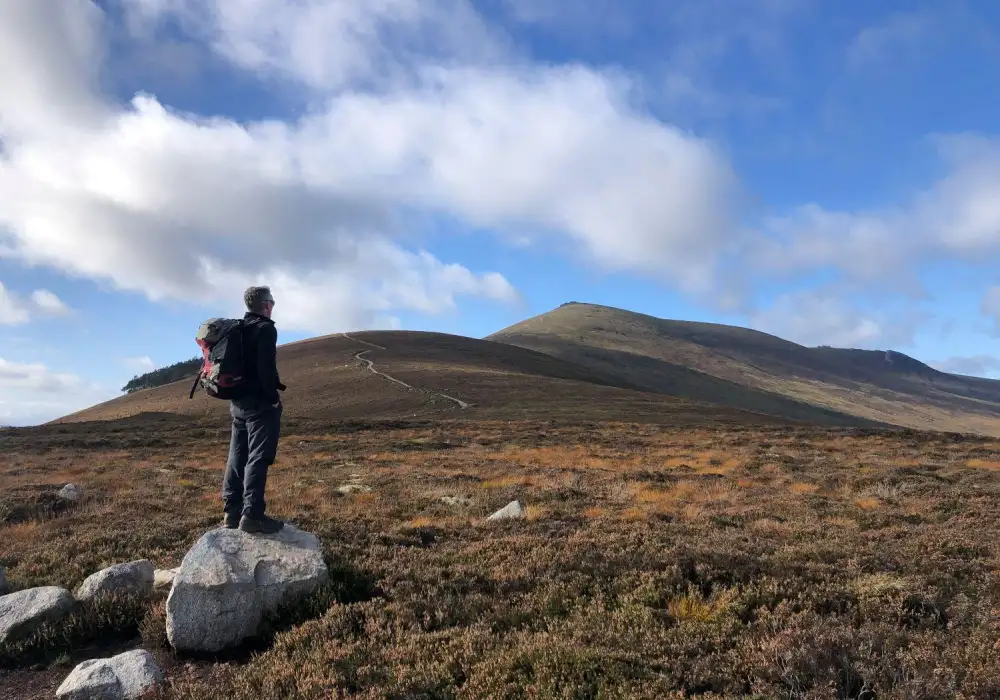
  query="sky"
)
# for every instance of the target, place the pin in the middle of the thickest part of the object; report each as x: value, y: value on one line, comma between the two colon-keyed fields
x: 825, y: 171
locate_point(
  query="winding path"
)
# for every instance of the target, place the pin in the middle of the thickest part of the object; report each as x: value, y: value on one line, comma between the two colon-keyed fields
x: 370, y: 366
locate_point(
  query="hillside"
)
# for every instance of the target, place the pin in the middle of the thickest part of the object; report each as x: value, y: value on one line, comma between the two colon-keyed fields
x: 660, y: 355
x: 448, y: 376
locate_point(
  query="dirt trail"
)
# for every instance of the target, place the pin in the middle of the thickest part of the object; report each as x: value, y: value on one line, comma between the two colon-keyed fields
x: 370, y: 366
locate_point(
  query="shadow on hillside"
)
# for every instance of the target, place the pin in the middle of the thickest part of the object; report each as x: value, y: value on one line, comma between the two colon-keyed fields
x: 660, y: 376
x: 143, y: 430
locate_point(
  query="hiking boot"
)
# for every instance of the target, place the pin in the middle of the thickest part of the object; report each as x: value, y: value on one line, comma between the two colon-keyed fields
x: 231, y: 521
x: 264, y: 525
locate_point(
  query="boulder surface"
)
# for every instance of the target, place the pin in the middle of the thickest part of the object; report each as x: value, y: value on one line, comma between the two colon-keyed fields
x: 122, y: 677
x: 132, y: 577
x: 21, y: 613
x: 230, y: 579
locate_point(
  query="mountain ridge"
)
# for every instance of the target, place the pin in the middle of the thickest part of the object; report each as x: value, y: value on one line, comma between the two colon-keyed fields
x: 882, y: 385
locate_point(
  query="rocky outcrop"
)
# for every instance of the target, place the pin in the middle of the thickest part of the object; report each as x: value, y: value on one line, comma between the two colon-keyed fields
x: 122, y: 677
x: 21, y: 613
x: 134, y: 577
x: 230, y: 579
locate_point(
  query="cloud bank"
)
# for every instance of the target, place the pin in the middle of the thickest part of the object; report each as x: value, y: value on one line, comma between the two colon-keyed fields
x: 32, y: 393
x: 421, y: 112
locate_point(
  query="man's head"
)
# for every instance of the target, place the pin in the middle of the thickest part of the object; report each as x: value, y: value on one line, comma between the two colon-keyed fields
x: 259, y: 300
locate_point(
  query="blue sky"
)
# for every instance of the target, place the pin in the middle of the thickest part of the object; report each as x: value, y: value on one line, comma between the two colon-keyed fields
x: 825, y: 171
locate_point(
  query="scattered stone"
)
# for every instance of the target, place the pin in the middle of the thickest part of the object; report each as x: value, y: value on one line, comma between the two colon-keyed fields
x: 90, y: 679
x: 230, y: 579
x: 456, y: 501
x: 21, y: 613
x: 133, y: 577
x: 163, y: 578
x: 510, y: 511
x: 347, y: 489
x: 122, y: 677
x: 3, y: 581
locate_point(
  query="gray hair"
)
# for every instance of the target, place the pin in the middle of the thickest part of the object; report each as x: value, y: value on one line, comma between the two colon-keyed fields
x: 254, y: 298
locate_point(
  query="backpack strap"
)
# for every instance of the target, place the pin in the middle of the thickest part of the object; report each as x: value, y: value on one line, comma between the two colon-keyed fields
x: 194, y: 386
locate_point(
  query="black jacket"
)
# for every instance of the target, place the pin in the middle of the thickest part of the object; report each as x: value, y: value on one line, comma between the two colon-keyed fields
x: 260, y: 346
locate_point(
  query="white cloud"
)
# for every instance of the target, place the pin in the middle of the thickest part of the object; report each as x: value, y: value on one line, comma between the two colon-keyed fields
x: 32, y: 393
x: 973, y: 365
x: 49, y: 303
x: 990, y: 306
x: 899, y: 36
x: 16, y: 311
x: 816, y: 318
x: 140, y: 364
x: 957, y: 217
x: 362, y: 294
x: 188, y: 207
x: 12, y: 311
x: 328, y: 45
x: 55, y: 88
x: 689, y: 75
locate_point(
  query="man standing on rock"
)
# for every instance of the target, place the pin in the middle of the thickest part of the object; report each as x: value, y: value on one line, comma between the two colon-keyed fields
x: 256, y: 421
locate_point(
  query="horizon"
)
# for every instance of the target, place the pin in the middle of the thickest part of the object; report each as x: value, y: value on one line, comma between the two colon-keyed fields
x: 825, y: 174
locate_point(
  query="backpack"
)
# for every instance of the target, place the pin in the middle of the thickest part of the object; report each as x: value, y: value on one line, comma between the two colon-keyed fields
x: 222, y: 374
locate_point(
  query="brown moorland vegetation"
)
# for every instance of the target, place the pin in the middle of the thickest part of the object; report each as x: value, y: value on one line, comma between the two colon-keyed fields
x: 757, y: 561
x: 744, y: 368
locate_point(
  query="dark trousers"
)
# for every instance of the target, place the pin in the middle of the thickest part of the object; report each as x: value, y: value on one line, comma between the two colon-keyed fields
x: 252, y: 449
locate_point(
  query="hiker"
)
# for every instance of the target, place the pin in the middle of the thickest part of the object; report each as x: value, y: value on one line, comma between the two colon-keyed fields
x: 256, y: 418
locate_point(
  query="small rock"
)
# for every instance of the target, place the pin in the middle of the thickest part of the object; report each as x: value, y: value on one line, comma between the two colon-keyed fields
x: 3, y: 581
x: 509, y: 511
x: 456, y: 500
x: 122, y: 677
x: 163, y: 578
x: 133, y: 577
x: 353, y: 488
x: 70, y: 492
x: 24, y: 611
x: 230, y: 579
